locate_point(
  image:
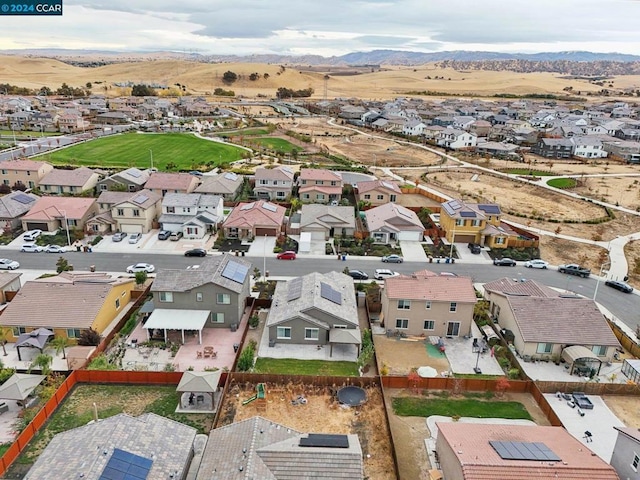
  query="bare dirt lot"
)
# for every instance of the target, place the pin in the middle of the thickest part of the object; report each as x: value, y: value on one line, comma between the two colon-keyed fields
x: 624, y: 191
x: 625, y: 408
x: 321, y: 415
x: 558, y: 251
x: 402, y: 356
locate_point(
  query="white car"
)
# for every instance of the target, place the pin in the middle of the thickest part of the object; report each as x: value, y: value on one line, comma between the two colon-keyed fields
x: 31, y: 235
x: 135, y: 237
x: 382, y: 273
x: 31, y: 248
x: 54, y: 249
x: 141, y: 267
x: 7, y: 264
x: 537, y: 263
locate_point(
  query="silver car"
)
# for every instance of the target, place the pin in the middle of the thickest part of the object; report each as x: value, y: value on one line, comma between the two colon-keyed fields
x: 8, y: 264
x: 393, y: 259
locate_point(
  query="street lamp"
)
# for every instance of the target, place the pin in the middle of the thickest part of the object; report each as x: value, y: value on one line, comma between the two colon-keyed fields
x: 453, y: 239
x: 264, y: 258
x: 151, y: 154
x: 66, y: 224
x: 605, y: 264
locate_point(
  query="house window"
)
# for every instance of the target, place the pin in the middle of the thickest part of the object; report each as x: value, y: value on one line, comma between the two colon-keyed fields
x: 31, y: 184
x: 404, y: 304
x: 264, y: 182
x: 318, y: 182
x: 342, y: 327
x: 459, y: 222
x: 136, y: 212
x: 453, y: 306
x: 283, y: 333
x: 367, y: 196
x: 402, y: 323
x: 311, y: 333
x: 429, y: 325
x: 217, y: 318
x: 320, y: 196
x: 198, y: 296
x: 17, y: 331
x: 380, y: 197
x: 499, y: 240
x: 120, y: 212
x: 635, y: 462
x: 166, y: 297
x: 223, y: 299
x: 280, y: 194
x: 599, y: 350
x: 103, y: 187
x: 117, y: 303
x: 393, y: 198
x: 544, y: 348
x: 171, y: 209
x: 475, y: 223
x: 305, y: 196
x: 304, y: 182
x: 334, y: 183
x: 4, y: 172
x: 73, y: 332
x: 6, y: 182
x: 94, y: 228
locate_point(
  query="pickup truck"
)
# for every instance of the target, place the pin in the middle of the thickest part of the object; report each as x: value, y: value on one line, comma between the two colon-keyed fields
x: 573, y: 269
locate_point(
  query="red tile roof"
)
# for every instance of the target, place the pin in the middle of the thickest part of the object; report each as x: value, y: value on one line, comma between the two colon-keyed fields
x: 437, y: 288
x: 50, y: 208
x: 248, y: 215
x: 319, y: 174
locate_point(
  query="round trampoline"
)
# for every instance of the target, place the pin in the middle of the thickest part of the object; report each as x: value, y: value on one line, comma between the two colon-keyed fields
x: 352, y: 396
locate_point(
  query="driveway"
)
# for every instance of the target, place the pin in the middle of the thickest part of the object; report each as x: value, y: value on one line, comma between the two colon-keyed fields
x: 262, y: 246
x: 412, y: 251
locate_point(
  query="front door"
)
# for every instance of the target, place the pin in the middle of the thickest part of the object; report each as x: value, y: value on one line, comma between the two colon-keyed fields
x: 453, y: 329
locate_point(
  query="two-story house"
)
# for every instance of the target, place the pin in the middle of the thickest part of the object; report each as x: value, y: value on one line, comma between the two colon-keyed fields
x: 193, y: 214
x: 25, y: 172
x: 273, y: 183
x: 130, y: 212
x: 13, y: 206
x: 626, y: 453
x: 456, y: 139
x: 129, y: 180
x: 212, y: 296
x: 163, y: 183
x: 319, y: 186
x: 377, y: 192
x: 74, y: 182
x: 553, y: 148
x: 226, y: 185
x: 588, y: 147
x: 425, y: 303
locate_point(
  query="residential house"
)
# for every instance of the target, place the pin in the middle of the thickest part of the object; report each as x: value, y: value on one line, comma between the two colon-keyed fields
x: 72, y: 122
x: 73, y: 182
x: 390, y: 223
x: 12, y: 207
x: 248, y: 220
x: 52, y: 213
x: 68, y: 304
x: 193, y: 214
x: 113, y: 118
x: 226, y: 185
x: 588, y: 147
x: 129, y: 180
x: 272, y: 451
x: 163, y: 183
x: 130, y: 212
x: 273, y: 183
x: 9, y: 284
x: 212, y: 296
x: 112, y: 448
x: 480, y: 128
x: 324, y: 221
x: 545, y: 323
x: 427, y: 304
x: 626, y: 453
x: 318, y: 185
x: 627, y: 151
x: 499, y: 149
x: 456, y: 139
x: 553, y: 148
x: 463, y: 122
x: 25, y: 172
x: 413, y: 127
x: 316, y: 309
x: 478, y: 451
x: 377, y: 192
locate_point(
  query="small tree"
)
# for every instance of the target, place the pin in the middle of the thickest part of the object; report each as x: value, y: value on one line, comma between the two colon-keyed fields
x: 229, y: 77
x: 141, y: 277
x: 89, y: 338
x: 62, y: 265
x: 502, y: 385
x: 60, y: 343
x: 41, y: 362
x: 414, y: 381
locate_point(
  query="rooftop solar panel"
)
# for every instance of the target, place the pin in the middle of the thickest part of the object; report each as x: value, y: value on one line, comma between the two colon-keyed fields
x: 536, y: 451
x: 126, y: 466
x: 270, y: 206
x: 235, y: 271
x: 134, y: 173
x: 495, y: 209
x: 468, y: 214
x: 329, y: 293
x: 295, y: 289
x: 231, y: 176
x: 248, y: 206
x: 24, y: 199
x: 140, y: 198
x: 324, y: 440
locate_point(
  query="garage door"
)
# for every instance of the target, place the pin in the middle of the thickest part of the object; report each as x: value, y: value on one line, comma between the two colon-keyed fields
x: 261, y: 232
x: 413, y: 236
x: 128, y: 228
x: 37, y: 226
x: 464, y: 239
x: 317, y: 236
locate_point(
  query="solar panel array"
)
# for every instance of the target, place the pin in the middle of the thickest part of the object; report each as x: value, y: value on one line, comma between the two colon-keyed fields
x: 248, y: 206
x: 134, y: 173
x: 231, y: 176
x: 451, y: 207
x: 324, y: 440
x: 404, y: 213
x: 139, y: 199
x: 126, y: 466
x: 24, y: 199
x: 468, y: 214
x: 387, y: 185
x: 492, y: 209
x: 270, y: 206
x: 295, y: 289
x: 329, y: 293
x: 235, y: 271
x: 524, y: 451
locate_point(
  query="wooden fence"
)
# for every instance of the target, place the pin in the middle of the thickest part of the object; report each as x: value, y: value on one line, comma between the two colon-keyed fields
x: 628, y: 343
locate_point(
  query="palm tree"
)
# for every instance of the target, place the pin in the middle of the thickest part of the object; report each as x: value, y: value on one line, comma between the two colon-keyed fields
x: 60, y: 343
x: 43, y: 362
x: 4, y: 338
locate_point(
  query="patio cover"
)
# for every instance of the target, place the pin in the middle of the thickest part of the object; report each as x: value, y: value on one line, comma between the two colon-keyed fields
x: 169, y: 319
x: 37, y: 338
x: 349, y: 336
x: 20, y: 385
x: 199, y: 381
x: 576, y: 352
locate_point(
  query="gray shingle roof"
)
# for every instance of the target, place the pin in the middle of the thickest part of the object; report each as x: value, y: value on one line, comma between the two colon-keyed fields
x: 222, y: 184
x: 530, y: 288
x: 11, y: 208
x: 77, y: 177
x: 328, y: 216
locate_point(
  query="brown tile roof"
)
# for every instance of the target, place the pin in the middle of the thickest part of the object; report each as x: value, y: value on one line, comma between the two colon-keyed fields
x: 77, y: 177
x: 364, y: 187
x: 22, y: 165
x: 479, y: 460
x: 171, y: 181
x: 328, y: 189
x: 319, y: 174
x: 437, y: 288
x: 279, y: 173
x: 50, y: 208
x: 248, y: 215
x: 561, y: 320
x: 509, y: 286
x: 392, y: 217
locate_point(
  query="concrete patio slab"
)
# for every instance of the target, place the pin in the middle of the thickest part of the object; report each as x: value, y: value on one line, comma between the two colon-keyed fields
x: 549, y: 371
x: 463, y: 360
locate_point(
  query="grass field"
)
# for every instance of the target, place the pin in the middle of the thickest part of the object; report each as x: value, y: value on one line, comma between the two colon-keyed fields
x: 562, y: 183
x: 27, y: 134
x: 277, y: 144
x: 425, y: 407
x: 305, y: 367
x: 177, y: 150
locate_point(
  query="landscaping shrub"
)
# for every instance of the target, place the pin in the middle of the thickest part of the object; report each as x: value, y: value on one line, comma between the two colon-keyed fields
x: 245, y: 362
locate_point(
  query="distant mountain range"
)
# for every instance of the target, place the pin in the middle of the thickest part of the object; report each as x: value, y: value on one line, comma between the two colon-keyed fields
x: 375, y: 57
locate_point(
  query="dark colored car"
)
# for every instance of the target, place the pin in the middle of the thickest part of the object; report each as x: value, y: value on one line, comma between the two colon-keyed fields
x: 622, y: 286
x: 504, y: 262
x: 475, y: 248
x: 196, y: 252
x: 164, y: 234
x: 573, y: 269
x: 358, y: 275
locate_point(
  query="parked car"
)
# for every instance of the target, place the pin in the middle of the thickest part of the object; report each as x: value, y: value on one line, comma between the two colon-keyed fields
x: 536, y: 263
x: 31, y: 248
x: 7, y: 264
x: 119, y: 236
x: 382, y: 273
x: 54, y: 249
x: 574, y: 269
x: 196, y: 252
x: 141, y: 267
x: 393, y: 259
x: 358, y: 275
x: 288, y: 255
x: 175, y: 236
x: 622, y: 286
x: 135, y: 237
x: 504, y: 262
x: 475, y: 248
x: 448, y: 274
x: 31, y: 235
x: 164, y: 234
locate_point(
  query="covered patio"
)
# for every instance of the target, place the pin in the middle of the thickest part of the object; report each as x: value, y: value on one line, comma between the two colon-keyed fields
x: 199, y: 392
x: 344, y: 336
x: 582, y: 361
x: 181, y: 320
x: 35, y: 339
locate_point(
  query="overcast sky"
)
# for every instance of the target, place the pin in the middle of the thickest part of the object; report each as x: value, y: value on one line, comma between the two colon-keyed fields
x: 331, y: 27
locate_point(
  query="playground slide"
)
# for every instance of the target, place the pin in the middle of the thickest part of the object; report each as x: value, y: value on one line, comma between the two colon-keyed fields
x: 259, y: 394
x: 250, y: 399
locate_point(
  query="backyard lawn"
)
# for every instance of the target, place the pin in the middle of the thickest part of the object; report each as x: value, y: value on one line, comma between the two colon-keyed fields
x: 293, y: 366
x: 277, y: 144
x: 180, y: 150
x: 469, y: 407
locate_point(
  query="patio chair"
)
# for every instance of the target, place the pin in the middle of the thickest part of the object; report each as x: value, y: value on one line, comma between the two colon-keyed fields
x: 198, y: 354
x: 214, y: 354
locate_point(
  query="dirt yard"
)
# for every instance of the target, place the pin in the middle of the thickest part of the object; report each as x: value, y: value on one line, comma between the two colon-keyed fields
x: 625, y: 408
x: 416, y: 200
x: 558, y: 251
x: 321, y: 415
x: 623, y: 191
x: 402, y: 356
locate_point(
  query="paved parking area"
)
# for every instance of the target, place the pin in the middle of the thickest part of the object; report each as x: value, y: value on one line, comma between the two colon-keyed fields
x: 599, y: 421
